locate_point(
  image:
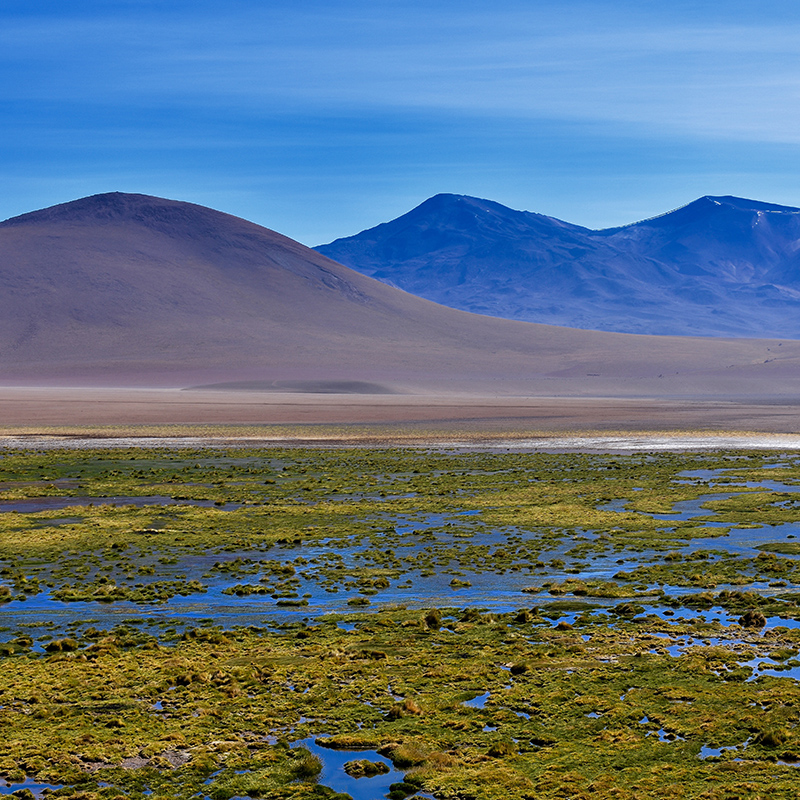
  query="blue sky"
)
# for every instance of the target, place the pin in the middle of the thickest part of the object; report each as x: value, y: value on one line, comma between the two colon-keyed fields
x: 319, y: 119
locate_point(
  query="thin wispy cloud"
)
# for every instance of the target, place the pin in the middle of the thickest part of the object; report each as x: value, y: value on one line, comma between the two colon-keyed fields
x: 293, y: 85
x: 726, y: 80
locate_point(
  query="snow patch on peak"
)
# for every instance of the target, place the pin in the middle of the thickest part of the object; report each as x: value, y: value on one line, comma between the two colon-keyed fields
x: 746, y: 204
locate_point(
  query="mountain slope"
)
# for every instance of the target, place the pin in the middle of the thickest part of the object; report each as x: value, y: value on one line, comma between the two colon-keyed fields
x: 720, y: 266
x: 121, y: 289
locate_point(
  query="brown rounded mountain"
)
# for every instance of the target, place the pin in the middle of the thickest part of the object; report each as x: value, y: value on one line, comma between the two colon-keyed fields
x: 131, y: 290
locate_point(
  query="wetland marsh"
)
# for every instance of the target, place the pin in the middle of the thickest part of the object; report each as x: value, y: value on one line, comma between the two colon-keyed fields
x: 291, y: 623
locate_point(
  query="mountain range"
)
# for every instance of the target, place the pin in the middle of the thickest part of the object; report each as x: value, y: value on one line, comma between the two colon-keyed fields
x: 719, y: 266
x: 132, y: 290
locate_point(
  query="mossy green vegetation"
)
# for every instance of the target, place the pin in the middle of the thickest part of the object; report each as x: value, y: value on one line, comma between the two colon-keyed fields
x: 214, y: 712
x: 172, y: 623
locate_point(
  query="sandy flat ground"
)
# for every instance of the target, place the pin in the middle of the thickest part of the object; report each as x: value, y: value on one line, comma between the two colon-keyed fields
x: 466, y: 420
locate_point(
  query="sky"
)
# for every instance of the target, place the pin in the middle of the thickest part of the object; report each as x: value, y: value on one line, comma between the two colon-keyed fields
x: 320, y: 118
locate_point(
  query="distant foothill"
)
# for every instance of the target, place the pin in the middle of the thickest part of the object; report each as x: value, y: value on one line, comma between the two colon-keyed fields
x: 129, y: 290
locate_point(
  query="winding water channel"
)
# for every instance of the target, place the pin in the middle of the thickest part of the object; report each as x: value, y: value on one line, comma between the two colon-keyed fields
x: 494, y: 590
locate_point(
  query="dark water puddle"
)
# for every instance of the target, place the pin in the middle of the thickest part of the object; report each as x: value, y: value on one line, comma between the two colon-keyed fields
x: 720, y: 478
x: 619, y: 505
x: 62, y: 483
x: 716, y: 752
x: 370, y: 497
x: 327, y: 570
x: 30, y: 784
x: 56, y: 521
x: 710, y: 615
x: 665, y: 736
x: 477, y: 702
x: 448, y: 527
x: 35, y: 505
x: 689, y: 509
x: 680, y: 644
x: 491, y: 591
x: 737, y: 541
x: 714, y: 614
x: 745, y: 541
x: 365, y: 788
x: 763, y: 665
x: 229, y: 611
